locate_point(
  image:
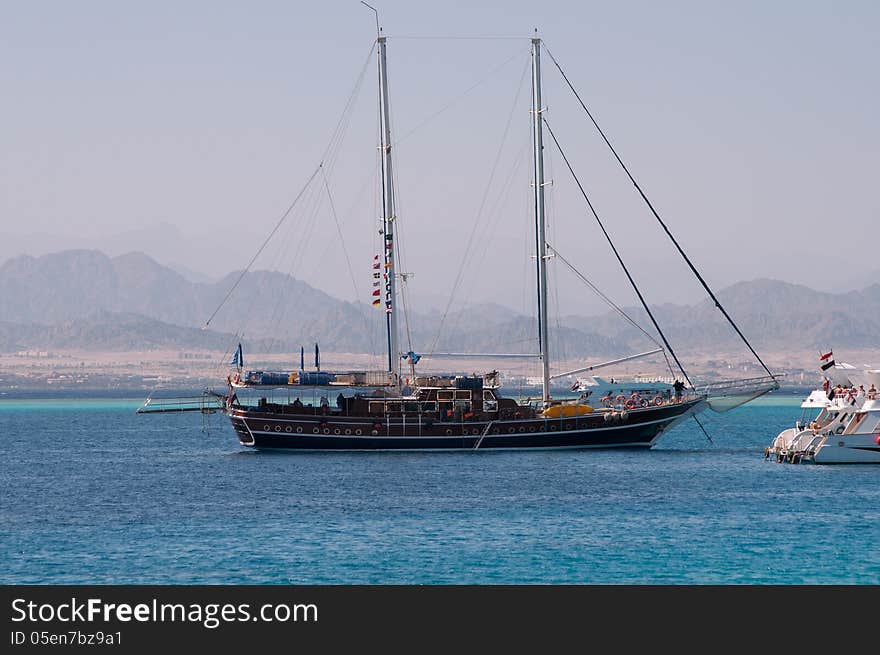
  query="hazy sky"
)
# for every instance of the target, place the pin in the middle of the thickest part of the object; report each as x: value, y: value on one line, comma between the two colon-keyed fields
x: 188, y: 127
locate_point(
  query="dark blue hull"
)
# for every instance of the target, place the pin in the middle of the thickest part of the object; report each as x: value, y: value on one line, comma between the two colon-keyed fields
x: 635, y: 429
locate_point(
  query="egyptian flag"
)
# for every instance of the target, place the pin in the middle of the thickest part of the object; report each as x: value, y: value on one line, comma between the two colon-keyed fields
x: 377, y: 292
x: 377, y: 302
x: 826, y: 361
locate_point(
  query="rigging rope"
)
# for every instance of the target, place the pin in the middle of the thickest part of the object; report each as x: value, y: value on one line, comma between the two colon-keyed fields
x: 703, y: 429
x: 471, y: 241
x: 257, y: 254
x: 455, y: 100
x: 659, y: 220
x: 327, y: 160
x: 345, y: 252
x: 617, y: 254
x: 611, y: 304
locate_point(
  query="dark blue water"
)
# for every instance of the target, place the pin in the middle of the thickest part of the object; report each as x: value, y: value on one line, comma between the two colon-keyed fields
x: 93, y: 493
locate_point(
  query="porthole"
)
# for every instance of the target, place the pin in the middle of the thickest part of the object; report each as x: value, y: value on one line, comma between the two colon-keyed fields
x: 337, y: 431
x: 299, y: 429
x: 267, y: 427
x: 326, y: 430
x: 289, y: 429
x: 315, y: 430
x: 347, y: 431
x: 358, y: 432
x: 277, y: 428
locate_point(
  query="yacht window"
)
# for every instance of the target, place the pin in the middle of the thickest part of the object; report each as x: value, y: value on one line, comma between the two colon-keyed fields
x: 377, y: 407
x: 445, y: 395
x: 393, y: 407
x: 411, y: 407
x: 463, y: 395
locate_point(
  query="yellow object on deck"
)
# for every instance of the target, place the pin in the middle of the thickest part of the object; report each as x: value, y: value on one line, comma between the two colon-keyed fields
x: 559, y: 411
x: 293, y: 378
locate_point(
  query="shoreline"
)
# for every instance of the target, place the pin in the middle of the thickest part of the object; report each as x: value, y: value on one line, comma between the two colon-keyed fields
x: 64, y: 372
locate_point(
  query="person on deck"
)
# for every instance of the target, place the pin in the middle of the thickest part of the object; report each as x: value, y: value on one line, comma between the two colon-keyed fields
x: 678, y: 387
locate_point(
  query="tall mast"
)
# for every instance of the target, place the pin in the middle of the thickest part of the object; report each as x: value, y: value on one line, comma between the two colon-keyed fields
x: 388, y: 217
x: 540, y: 228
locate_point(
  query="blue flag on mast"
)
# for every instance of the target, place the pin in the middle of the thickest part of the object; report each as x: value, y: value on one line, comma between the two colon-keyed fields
x: 237, y: 359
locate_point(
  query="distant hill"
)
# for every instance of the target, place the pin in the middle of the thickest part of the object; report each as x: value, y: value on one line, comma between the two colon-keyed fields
x: 84, y: 299
x: 109, y: 331
x: 771, y: 314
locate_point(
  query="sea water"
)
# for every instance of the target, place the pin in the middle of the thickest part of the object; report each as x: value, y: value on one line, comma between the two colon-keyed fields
x: 95, y: 493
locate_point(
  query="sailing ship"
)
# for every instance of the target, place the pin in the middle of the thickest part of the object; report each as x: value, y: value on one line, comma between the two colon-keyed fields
x: 397, y: 408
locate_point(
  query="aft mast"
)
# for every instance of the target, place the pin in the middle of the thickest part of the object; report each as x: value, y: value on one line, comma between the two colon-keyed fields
x: 540, y: 228
x: 388, y: 218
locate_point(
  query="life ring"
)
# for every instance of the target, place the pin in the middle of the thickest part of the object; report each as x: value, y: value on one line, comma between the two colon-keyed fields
x: 630, y: 404
x: 606, y: 401
x: 643, y: 402
x: 658, y: 400
x: 839, y: 429
x: 619, y: 399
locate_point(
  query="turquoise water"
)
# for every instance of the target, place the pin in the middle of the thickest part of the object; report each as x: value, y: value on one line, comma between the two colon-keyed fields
x: 94, y: 493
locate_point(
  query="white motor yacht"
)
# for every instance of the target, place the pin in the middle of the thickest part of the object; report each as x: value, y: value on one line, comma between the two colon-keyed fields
x: 846, y: 429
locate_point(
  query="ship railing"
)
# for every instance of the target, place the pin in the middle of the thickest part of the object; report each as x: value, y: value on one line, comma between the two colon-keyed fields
x: 207, y: 403
x: 725, y: 395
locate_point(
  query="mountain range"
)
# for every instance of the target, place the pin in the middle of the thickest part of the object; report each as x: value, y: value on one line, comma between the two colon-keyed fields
x: 85, y: 299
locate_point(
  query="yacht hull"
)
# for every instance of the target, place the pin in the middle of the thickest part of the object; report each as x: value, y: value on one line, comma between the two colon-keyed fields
x: 850, y: 449
x: 634, y: 429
